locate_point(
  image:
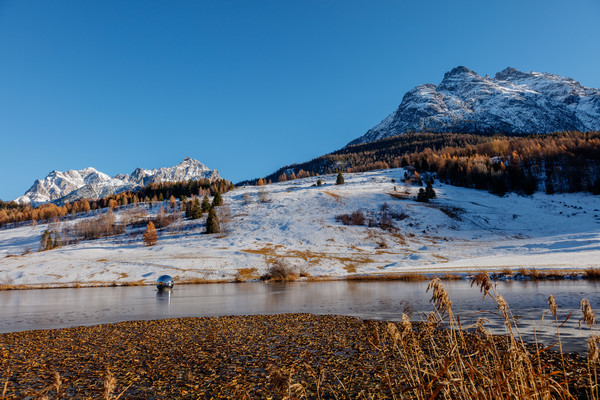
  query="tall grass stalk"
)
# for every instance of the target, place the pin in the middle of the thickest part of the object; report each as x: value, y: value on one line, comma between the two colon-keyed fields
x: 452, y: 364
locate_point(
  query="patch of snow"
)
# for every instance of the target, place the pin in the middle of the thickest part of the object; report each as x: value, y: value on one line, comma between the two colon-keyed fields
x: 264, y: 223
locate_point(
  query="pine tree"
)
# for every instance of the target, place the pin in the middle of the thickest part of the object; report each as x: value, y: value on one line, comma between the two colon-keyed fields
x: 205, y: 204
x: 340, y: 179
x: 150, y: 236
x: 212, y: 222
x: 46, y: 241
x: 50, y: 240
x: 422, y: 196
x: 429, y: 192
x: 196, y: 211
x: 217, y: 200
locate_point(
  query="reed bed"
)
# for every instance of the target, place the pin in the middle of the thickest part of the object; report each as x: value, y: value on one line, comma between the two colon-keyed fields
x: 302, y: 356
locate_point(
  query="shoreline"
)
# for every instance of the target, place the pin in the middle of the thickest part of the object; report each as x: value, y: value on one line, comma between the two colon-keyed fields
x: 258, y: 356
x: 522, y: 274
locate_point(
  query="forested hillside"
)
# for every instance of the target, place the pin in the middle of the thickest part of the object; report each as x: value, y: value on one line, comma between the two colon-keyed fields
x: 560, y: 162
x: 11, y: 212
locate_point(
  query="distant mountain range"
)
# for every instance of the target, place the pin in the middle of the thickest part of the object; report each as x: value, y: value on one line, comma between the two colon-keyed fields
x: 89, y: 183
x: 513, y: 102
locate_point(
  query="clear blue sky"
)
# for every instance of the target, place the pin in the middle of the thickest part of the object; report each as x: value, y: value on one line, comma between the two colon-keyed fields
x: 247, y: 86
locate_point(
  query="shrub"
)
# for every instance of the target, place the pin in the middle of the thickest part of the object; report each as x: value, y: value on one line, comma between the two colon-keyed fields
x: 340, y: 179
x: 356, y: 218
x: 280, y: 271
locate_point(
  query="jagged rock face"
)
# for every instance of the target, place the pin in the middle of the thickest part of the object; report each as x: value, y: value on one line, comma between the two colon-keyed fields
x: 88, y: 183
x: 513, y: 102
x: 56, y: 184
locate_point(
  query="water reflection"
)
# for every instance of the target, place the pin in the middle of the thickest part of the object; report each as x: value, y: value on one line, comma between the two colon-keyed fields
x: 164, y: 297
x: 57, y: 308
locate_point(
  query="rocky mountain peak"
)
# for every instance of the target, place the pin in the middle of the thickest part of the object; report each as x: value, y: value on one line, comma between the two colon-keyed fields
x: 509, y: 73
x: 513, y: 102
x: 89, y: 183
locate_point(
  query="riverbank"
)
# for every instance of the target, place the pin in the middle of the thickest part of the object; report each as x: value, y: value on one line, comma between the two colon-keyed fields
x: 296, y: 355
x: 507, y: 274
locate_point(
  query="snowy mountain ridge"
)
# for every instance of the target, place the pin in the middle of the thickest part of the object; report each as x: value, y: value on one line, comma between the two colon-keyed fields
x: 513, y: 102
x: 91, y: 184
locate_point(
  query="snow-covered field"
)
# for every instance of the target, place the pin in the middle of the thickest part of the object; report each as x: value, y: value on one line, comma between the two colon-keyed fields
x: 461, y: 230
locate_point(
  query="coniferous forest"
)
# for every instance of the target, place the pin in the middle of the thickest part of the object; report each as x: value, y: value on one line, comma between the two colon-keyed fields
x: 559, y: 162
x: 11, y: 212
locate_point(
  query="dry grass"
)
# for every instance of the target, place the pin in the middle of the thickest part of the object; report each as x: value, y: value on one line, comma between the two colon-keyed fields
x: 409, y: 277
x: 141, y: 282
x: 401, y: 196
x: 465, y: 367
x: 350, y: 268
x: 592, y: 273
x: 546, y: 274
x: 246, y: 274
x: 334, y: 195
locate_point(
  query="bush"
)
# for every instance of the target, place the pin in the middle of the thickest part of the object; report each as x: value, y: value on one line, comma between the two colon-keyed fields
x: 280, y: 271
x: 356, y: 218
x: 340, y: 179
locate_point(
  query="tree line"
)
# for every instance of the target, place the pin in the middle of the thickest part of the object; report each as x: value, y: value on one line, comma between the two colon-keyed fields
x: 559, y: 162
x: 11, y: 212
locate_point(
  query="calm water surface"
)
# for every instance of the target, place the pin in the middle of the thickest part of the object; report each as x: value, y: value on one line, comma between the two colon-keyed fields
x: 60, y: 308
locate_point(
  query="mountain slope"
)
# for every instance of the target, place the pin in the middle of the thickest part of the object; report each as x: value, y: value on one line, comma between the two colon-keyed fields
x: 513, y: 102
x: 461, y: 230
x: 91, y: 184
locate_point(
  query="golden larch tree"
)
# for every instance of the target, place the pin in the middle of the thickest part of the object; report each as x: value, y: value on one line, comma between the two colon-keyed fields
x: 150, y: 236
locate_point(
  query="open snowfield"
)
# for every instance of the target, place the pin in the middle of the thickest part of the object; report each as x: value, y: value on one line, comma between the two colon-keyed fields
x: 461, y: 230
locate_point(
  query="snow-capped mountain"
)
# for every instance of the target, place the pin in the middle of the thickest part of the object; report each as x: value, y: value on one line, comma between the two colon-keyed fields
x: 512, y: 102
x: 91, y: 184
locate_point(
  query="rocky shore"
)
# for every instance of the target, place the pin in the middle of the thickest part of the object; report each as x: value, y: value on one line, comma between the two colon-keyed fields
x: 260, y: 356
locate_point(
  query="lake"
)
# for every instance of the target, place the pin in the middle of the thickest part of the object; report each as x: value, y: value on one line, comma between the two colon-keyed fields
x: 382, y: 300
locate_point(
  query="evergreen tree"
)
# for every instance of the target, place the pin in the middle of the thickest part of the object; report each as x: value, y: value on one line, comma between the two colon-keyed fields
x: 319, y: 182
x: 46, y: 241
x: 50, y: 240
x: 205, y: 204
x: 422, y: 196
x: 150, y: 236
x: 340, y: 179
x: 217, y: 200
x: 429, y: 192
x: 212, y: 222
x: 196, y: 211
x: 549, y: 186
